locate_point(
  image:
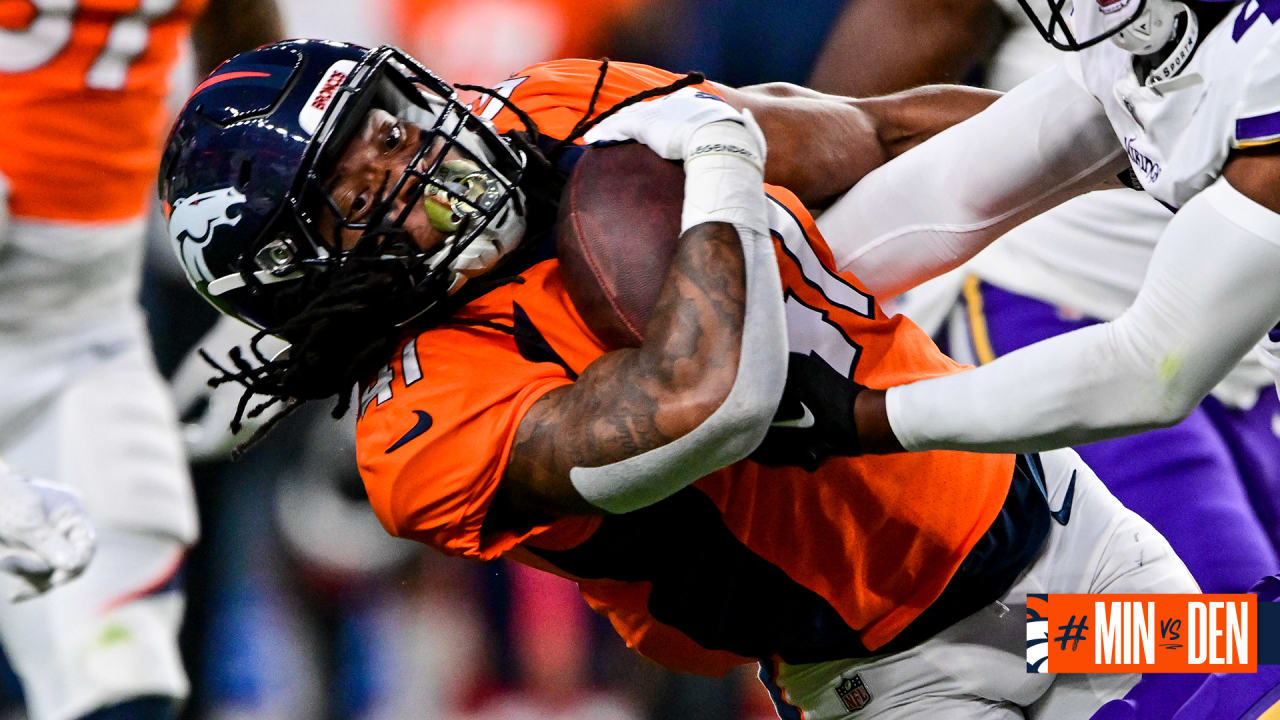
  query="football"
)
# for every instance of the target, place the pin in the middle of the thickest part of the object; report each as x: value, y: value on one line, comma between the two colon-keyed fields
x: 617, y: 232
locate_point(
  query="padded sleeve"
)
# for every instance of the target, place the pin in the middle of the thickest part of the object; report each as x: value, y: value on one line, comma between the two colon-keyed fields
x: 935, y: 206
x: 1190, y: 324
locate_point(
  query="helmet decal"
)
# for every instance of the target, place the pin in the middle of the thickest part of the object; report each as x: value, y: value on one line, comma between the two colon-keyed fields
x: 191, y: 225
x: 313, y: 110
x: 217, y: 79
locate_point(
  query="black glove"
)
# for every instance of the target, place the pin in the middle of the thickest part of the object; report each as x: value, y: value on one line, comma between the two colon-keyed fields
x: 814, y: 419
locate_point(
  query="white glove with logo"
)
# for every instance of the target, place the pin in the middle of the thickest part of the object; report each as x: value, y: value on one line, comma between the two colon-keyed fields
x: 666, y: 124
x: 207, y: 436
x: 45, y: 537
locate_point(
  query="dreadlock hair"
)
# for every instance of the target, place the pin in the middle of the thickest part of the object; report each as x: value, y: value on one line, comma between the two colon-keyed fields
x: 346, y: 318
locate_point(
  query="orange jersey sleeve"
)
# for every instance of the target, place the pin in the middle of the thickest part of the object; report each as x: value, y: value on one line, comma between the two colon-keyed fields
x: 436, y: 428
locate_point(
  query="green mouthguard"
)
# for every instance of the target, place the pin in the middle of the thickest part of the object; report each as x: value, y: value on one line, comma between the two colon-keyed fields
x: 458, y: 185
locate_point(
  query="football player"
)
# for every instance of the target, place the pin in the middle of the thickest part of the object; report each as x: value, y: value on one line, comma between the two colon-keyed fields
x: 692, y: 486
x: 1207, y: 482
x: 83, y: 85
x: 1184, y: 95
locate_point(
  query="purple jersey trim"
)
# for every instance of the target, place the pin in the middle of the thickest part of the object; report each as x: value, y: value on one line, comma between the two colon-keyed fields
x: 1258, y: 127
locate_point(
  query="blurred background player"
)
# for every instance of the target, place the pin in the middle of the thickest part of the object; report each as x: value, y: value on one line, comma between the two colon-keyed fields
x: 82, y: 108
x: 1207, y: 483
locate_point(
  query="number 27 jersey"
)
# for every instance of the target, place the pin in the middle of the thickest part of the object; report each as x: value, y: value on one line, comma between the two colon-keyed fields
x: 752, y: 561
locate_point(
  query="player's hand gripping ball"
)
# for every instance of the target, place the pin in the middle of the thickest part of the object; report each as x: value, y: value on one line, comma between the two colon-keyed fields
x: 665, y: 125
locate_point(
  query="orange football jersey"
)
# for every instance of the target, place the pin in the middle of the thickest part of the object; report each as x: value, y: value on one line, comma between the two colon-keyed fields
x: 82, y: 95
x: 749, y: 562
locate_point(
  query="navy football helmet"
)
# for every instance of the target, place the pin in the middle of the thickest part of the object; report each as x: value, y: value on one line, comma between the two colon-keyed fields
x: 244, y: 181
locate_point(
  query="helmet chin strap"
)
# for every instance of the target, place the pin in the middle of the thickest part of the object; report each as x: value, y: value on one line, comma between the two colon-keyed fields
x: 1155, y: 39
x: 1183, y: 48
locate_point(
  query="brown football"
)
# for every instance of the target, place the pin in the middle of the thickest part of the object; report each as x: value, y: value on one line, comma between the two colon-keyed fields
x: 616, y: 236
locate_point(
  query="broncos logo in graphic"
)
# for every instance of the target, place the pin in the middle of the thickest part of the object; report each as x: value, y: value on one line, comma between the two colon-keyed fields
x: 1037, y: 634
x: 191, y: 224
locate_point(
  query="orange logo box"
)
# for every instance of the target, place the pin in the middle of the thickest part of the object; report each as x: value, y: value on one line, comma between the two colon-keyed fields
x: 1142, y: 633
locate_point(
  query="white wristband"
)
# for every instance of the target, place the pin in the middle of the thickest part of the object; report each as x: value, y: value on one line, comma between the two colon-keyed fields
x: 723, y: 171
x: 723, y: 183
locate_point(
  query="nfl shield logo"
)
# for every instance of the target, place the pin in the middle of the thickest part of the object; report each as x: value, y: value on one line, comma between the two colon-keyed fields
x: 853, y: 693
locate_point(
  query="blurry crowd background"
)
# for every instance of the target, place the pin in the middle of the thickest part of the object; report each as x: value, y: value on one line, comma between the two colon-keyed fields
x: 299, y: 605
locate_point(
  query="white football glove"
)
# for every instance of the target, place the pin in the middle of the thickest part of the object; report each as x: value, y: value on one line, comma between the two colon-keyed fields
x: 208, y: 436
x: 665, y: 124
x: 45, y: 537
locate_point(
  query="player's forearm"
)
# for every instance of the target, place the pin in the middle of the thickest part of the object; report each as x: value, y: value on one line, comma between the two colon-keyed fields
x: 820, y: 145
x: 1190, y: 324
x: 228, y: 27
x: 928, y: 211
x: 634, y: 400
x: 700, y: 391
x: 880, y: 46
x: 904, y: 120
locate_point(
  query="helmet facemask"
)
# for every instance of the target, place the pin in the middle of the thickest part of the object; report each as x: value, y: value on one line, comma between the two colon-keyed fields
x: 460, y: 177
x: 1075, y: 25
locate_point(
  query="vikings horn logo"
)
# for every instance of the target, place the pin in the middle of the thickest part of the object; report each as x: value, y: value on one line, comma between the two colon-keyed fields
x: 191, y: 225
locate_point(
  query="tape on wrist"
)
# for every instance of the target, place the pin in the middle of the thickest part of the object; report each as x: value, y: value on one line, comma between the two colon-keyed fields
x: 726, y: 137
x: 724, y: 176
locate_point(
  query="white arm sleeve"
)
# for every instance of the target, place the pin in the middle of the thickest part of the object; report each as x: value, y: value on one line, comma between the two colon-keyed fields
x: 935, y: 206
x: 723, y: 183
x: 1209, y: 295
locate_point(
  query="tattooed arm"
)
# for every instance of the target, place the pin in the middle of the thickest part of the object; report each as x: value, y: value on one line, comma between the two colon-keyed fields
x: 633, y: 400
x: 701, y: 390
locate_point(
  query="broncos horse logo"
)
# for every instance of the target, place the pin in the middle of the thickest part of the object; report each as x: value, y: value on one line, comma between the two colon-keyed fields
x: 191, y: 224
x: 1037, y: 633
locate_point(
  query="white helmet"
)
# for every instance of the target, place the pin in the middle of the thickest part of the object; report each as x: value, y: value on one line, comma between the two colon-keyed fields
x: 1152, y: 28
x: 1141, y: 27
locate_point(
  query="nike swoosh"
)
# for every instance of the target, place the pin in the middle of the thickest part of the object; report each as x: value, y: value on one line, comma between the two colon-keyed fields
x: 802, y: 422
x: 1063, y: 514
x: 423, y: 424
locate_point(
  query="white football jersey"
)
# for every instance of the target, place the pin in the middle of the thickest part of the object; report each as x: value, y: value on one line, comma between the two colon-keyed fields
x: 1179, y: 132
x: 1090, y: 255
